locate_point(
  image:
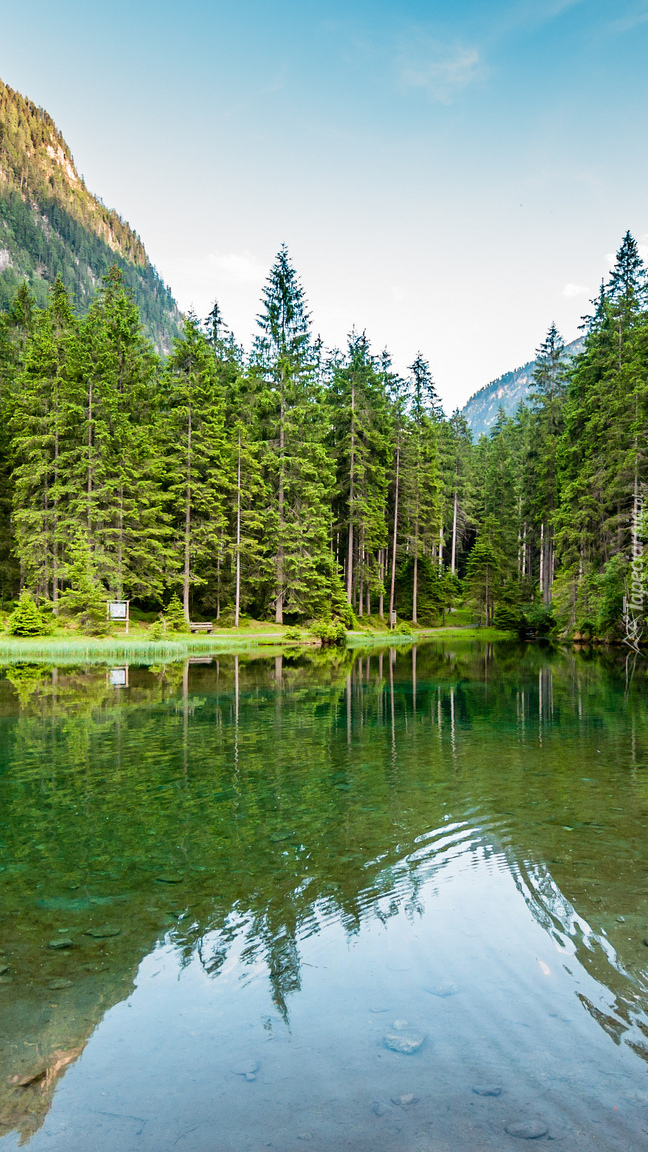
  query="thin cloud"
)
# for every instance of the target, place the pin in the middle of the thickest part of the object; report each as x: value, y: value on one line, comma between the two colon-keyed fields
x: 242, y: 267
x: 632, y: 20
x: 571, y: 290
x: 440, y: 70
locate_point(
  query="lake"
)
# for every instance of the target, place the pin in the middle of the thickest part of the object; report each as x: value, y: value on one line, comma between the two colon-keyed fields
x: 362, y: 900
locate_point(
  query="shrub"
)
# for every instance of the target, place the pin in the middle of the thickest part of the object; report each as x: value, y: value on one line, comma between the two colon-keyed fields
x: 329, y: 632
x: 174, y: 616
x: 509, y: 618
x: 27, y: 619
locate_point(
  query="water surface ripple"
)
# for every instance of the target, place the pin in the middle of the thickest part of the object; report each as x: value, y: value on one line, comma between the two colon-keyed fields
x: 230, y: 892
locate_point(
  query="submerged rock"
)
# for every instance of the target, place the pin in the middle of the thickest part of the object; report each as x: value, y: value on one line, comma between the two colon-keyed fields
x: 405, y: 1042
x: 405, y: 1099
x: 527, y: 1129
x: 247, y: 1068
x: 58, y: 983
x: 487, y: 1090
x: 61, y: 942
x: 380, y: 1109
x: 103, y: 932
x: 443, y: 990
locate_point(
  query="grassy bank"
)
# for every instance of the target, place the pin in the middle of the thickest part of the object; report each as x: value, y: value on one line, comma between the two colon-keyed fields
x: 139, y: 648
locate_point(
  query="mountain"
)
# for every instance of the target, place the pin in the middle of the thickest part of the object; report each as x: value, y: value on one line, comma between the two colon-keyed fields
x: 50, y: 224
x: 506, y: 392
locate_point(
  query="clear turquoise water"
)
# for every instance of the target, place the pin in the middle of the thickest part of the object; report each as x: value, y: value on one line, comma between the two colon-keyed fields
x: 264, y: 867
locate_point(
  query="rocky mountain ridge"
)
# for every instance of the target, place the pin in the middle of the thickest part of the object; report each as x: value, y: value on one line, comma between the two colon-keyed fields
x: 50, y: 224
x: 507, y: 392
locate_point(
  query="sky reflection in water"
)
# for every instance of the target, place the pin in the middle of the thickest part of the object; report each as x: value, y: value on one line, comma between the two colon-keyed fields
x: 266, y: 866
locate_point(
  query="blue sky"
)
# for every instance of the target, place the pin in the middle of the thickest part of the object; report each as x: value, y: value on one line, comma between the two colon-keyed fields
x: 450, y: 176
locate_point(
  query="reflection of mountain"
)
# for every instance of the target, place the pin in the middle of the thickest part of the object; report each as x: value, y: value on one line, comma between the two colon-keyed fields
x: 312, y: 793
x: 624, y: 1015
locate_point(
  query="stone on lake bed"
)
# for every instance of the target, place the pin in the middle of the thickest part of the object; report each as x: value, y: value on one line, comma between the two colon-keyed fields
x: 487, y: 1090
x: 380, y: 1109
x: 60, y: 943
x: 6, y: 979
x: 3, y: 968
x: 102, y: 932
x: 59, y: 983
x: 443, y: 990
x: 404, y: 1042
x: 170, y: 878
x: 405, y: 1099
x: 527, y: 1129
x: 400, y: 1025
x: 247, y: 1068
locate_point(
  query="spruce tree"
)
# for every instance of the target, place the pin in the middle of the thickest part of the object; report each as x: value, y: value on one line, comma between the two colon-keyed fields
x: 421, y: 480
x: 362, y: 440
x: 198, y: 467
x: 297, y: 466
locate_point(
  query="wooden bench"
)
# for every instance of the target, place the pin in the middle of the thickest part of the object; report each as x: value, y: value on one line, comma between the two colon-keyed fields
x: 195, y: 627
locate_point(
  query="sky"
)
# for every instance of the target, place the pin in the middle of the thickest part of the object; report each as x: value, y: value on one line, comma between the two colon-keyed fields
x: 449, y: 176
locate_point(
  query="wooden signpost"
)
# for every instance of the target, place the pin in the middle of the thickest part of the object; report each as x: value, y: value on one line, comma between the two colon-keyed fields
x: 119, y: 610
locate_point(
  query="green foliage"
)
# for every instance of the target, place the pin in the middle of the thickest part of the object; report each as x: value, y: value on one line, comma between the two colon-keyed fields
x: 85, y: 601
x: 174, y: 616
x: 53, y: 227
x: 26, y: 618
x: 329, y: 632
x: 485, y: 569
x: 292, y: 485
x: 432, y: 591
x: 540, y: 618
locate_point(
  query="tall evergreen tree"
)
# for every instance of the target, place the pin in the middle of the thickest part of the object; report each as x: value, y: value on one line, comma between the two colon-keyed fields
x: 421, y: 480
x: 297, y: 465
x: 198, y: 465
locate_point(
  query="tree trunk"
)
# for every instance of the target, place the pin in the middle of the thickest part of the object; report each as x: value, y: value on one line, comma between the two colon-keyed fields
x: 381, y: 598
x: 542, y: 558
x: 349, y: 572
x: 453, y: 559
x: 120, y: 545
x: 55, y: 580
x: 280, y: 548
x: 415, y: 588
x: 393, y: 574
x: 89, y: 481
x: 238, y: 537
x: 187, y: 535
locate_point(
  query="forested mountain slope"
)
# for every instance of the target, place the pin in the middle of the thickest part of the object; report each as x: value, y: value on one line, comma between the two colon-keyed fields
x: 506, y: 392
x: 51, y: 225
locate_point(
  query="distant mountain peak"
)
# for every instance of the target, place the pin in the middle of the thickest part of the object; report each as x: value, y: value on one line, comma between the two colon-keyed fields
x: 50, y: 224
x: 507, y: 392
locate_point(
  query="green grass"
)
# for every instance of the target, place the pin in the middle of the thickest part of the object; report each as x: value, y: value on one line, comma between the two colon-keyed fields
x: 66, y: 647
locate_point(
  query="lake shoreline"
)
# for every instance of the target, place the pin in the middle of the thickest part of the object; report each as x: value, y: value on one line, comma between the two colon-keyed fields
x: 225, y: 640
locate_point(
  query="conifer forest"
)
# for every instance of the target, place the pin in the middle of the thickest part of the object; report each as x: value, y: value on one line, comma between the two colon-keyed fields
x: 304, y: 485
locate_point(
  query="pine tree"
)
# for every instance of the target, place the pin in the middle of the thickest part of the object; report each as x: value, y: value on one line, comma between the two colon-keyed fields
x: 484, y: 569
x: 297, y: 465
x: 41, y: 413
x: 114, y: 477
x: 198, y: 476
x: 26, y: 618
x: 85, y: 600
x: 423, y: 525
x: 361, y: 436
